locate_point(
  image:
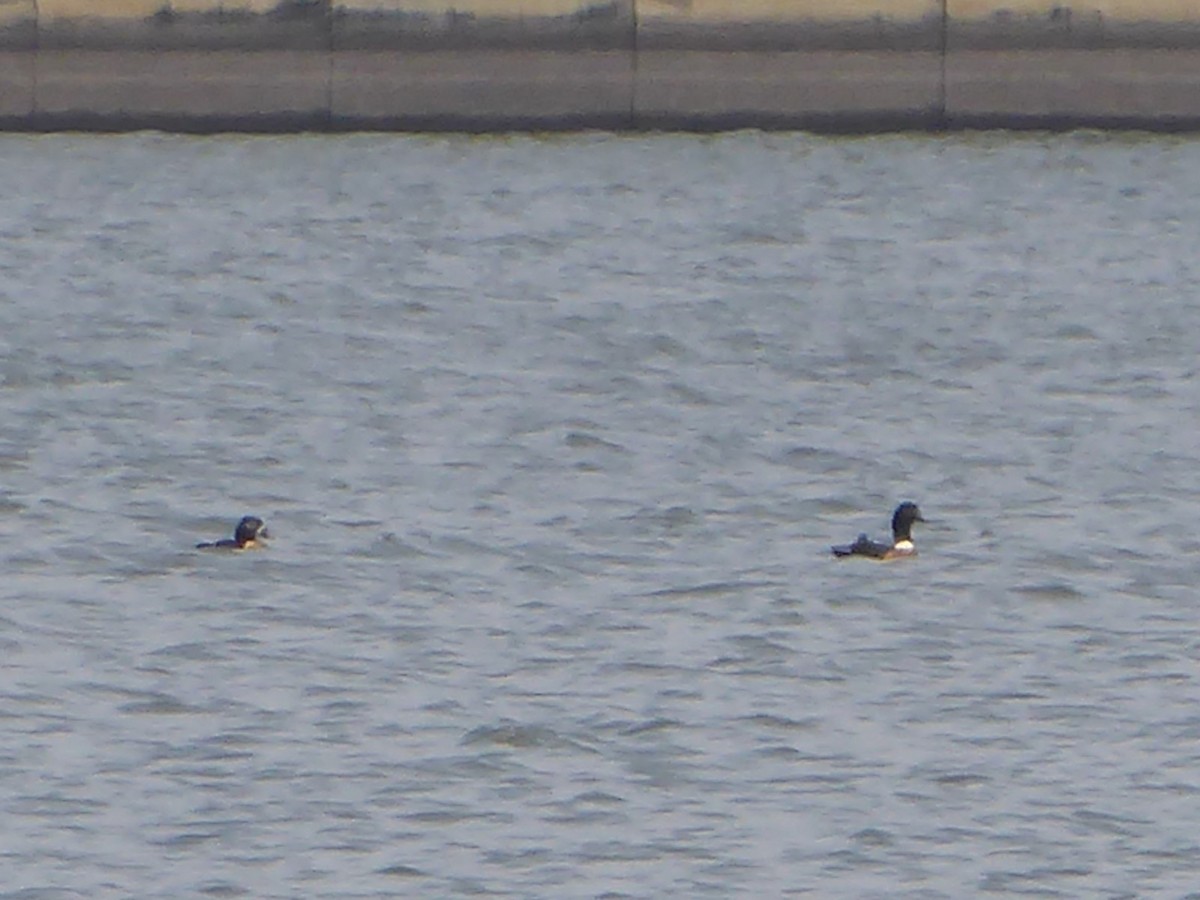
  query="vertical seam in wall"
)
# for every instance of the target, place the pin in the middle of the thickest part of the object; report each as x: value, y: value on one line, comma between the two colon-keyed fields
x: 329, y: 48
x: 36, y: 56
x: 944, y: 49
x: 634, y: 27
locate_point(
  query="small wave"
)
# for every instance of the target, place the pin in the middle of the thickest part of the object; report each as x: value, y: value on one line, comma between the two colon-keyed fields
x: 1052, y: 590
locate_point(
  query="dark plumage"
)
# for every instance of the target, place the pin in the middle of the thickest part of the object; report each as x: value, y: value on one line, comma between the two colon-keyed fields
x: 902, y: 544
x: 248, y: 535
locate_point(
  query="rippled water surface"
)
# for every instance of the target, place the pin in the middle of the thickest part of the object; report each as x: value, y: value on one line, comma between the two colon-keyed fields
x: 553, y: 436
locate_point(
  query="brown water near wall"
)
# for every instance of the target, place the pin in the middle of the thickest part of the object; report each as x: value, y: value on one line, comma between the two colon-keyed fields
x: 307, y: 65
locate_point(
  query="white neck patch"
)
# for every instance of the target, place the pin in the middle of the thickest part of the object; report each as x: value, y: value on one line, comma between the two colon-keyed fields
x: 904, y: 546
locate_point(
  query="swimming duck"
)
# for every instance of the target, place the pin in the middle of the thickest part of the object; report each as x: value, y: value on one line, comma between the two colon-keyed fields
x: 902, y: 544
x: 249, y: 535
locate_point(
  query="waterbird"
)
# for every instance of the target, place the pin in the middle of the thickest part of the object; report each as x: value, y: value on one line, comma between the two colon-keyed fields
x: 902, y: 543
x: 249, y: 535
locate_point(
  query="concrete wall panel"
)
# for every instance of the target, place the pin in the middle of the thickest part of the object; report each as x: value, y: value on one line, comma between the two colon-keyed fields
x: 778, y: 62
x: 482, y: 88
x: 1074, y: 84
x: 483, y: 24
x: 170, y: 62
x: 18, y: 39
x: 1113, y: 60
x: 248, y: 25
x: 520, y: 63
x: 164, y: 89
x: 742, y: 88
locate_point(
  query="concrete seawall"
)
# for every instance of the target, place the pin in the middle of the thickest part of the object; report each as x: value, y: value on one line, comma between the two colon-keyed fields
x: 281, y: 65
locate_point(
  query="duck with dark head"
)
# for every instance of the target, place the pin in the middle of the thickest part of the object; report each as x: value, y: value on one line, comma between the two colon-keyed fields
x: 250, y: 534
x: 902, y: 543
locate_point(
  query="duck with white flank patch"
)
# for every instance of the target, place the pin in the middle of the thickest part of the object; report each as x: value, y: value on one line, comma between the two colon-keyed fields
x: 902, y: 543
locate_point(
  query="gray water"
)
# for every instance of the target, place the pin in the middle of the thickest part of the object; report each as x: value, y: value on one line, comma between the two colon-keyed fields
x: 553, y: 437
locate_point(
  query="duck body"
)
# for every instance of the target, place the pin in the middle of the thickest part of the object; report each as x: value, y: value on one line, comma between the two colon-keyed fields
x: 902, y: 544
x: 250, y: 534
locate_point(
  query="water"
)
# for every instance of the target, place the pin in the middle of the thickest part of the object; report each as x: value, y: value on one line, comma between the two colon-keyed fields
x: 554, y: 436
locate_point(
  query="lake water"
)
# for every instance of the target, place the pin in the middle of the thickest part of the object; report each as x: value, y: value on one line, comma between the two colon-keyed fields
x: 553, y: 436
